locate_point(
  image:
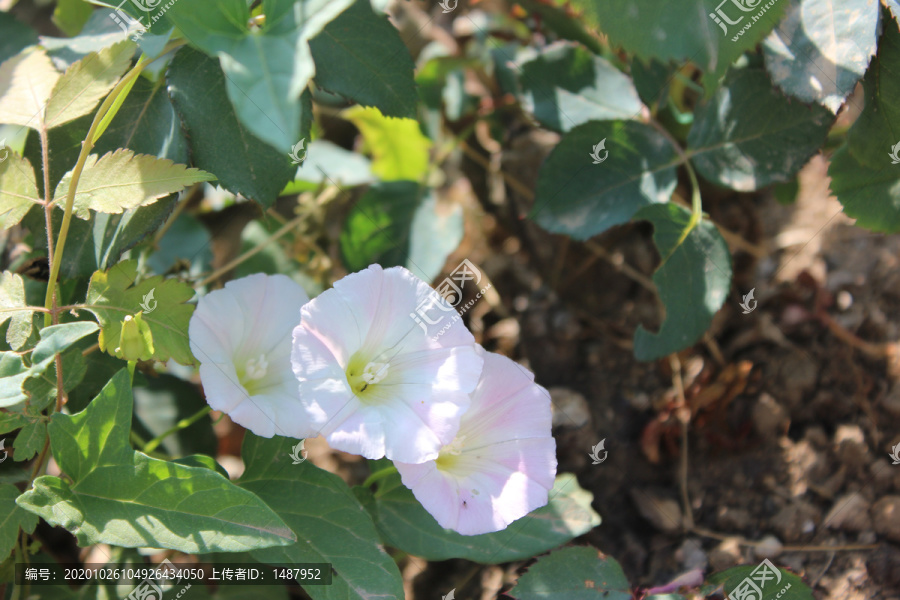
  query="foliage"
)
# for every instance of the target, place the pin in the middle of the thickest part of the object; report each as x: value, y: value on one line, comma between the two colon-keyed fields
x: 152, y: 150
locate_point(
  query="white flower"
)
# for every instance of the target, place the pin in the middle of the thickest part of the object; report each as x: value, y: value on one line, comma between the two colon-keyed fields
x: 371, y: 381
x: 502, y: 463
x: 241, y: 335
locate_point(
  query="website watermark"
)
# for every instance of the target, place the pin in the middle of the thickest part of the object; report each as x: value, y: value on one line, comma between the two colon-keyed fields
x: 766, y: 575
x: 135, y: 27
x: 158, y: 582
x: 726, y: 10
x: 447, y: 297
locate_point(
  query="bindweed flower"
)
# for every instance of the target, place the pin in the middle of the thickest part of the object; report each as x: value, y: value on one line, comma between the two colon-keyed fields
x: 241, y: 334
x: 370, y: 381
x: 502, y: 463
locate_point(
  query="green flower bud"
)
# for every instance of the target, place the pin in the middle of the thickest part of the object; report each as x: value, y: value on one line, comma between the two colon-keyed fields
x: 136, y: 340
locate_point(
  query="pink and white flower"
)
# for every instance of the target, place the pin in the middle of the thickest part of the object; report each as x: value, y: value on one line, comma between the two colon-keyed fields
x: 502, y: 463
x: 370, y: 381
x: 241, y: 334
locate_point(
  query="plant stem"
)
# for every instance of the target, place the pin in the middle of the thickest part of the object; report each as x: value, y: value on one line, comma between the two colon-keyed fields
x: 182, y: 424
x: 379, y: 475
x: 48, y: 216
x: 86, y: 146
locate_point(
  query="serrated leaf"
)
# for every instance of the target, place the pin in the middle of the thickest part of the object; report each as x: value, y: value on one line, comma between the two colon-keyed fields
x: 578, y: 573
x: 12, y: 518
x: 122, y: 497
x: 101, y: 31
x: 877, y: 130
x: 683, y: 30
x: 266, y: 70
x: 113, y: 295
x: 785, y: 585
x: 565, y: 86
x: 360, y: 56
x: 146, y: 124
x: 220, y: 143
x: 822, y: 48
x: 12, y: 296
x: 18, y: 189
x: 86, y: 82
x: 30, y: 441
x: 329, y: 523
x: 865, y: 181
x: 124, y: 180
x: 749, y: 135
x: 10, y: 421
x: 27, y: 81
x: 405, y: 525
x: 692, y: 280
x: 579, y: 198
x: 399, y: 149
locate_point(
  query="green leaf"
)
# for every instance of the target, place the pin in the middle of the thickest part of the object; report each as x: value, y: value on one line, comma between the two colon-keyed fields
x: 42, y: 389
x: 123, y: 180
x: 749, y: 135
x: 405, y: 525
x: 398, y: 223
x: 328, y: 521
x: 692, y: 280
x: 71, y: 15
x: 18, y: 190
x: 577, y: 573
x: 14, y: 36
x: 871, y: 195
x: 14, y: 375
x: 12, y: 296
x: 100, y: 32
x: 29, y: 442
x: 565, y: 86
x: 146, y: 124
x: 10, y: 421
x: 774, y: 584
x: 113, y: 294
x: 125, y: 498
x: 565, y: 25
x: 220, y: 143
x: 399, y: 149
x: 266, y: 70
x: 822, y: 49
x: 360, y: 56
x: 165, y: 401
x: 579, y: 198
x: 86, y: 82
x: 28, y: 80
x: 877, y: 129
x: 683, y: 30
x: 12, y: 518
x: 103, y: 238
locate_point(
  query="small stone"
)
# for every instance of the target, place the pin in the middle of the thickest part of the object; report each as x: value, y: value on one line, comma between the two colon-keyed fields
x: 844, y: 300
x: 768, y: 547
x: 726, y: 555
x: 770, y: 419
x: 849, y: 513
x: 850, y: 445
x: 795, y: 521
x: 691, y: 555
x: 886, y: 517
x: 663, y: 513
x: 570, y: 409
x: 732, y: 519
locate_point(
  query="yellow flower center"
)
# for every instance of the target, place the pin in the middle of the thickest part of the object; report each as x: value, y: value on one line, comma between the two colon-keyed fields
x: 450, y: 453
x: 362, y: 374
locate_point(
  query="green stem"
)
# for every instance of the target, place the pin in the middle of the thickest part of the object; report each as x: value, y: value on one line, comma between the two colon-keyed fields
x: 379, y: 475
x: 182, y: 424
x: 86, y: 146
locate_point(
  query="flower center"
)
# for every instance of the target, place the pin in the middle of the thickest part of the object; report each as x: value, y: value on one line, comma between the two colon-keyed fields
x: 257, y: 367
x: 363, y: 373
x: 449, y: 453
x: 375, y: 372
